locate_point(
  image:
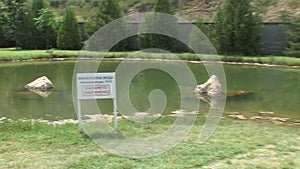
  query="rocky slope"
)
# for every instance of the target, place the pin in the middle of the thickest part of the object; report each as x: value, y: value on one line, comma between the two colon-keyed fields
x: 270, y: 10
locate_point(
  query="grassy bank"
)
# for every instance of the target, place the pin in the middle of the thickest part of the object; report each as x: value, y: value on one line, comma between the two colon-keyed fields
x: 11, y: 54
x: 235, y: 144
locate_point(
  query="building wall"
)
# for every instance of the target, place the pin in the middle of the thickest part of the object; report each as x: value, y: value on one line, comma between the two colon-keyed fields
x: 274, y: 41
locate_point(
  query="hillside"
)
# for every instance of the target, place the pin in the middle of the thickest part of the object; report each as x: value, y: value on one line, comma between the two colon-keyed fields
x: 270, y: 10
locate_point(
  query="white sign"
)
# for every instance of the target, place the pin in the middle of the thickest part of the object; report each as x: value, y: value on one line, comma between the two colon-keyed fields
x: 96, y: 86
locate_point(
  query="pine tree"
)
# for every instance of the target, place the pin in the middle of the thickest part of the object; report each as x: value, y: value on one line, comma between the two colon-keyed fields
x: 109, y: 11
x: 69, y: 37
x: 237, y: 29
x: 163, y: 6
x: 293, y: 36
x: 156, y: 22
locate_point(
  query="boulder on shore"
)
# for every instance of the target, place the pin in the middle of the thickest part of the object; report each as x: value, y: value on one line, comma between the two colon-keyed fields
x: 41, y: 83
x: 211, y: 87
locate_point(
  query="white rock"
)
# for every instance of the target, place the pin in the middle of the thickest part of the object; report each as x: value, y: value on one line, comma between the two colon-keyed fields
x: 238, y: 116
x: 212, y: 86
x: 41, y: 83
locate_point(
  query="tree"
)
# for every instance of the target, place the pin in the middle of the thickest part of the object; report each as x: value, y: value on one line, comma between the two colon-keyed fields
x: 25, y: 29
x: 69, y: 36
x: 163, y: 6
x: 155, y: 21
x: 47, y: 24
x: 28, y: 36
x: 293, y: 36
x: 238, y: 29
x: 8, y: 22
x: 36, y: 6
x: 109, y: 11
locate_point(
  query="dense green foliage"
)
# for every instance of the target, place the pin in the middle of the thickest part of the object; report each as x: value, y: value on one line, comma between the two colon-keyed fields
x: 293, y: 35
x: 158, y: 23
x: 28, y: 34
x: 108, y: 11
x: 8, y: 11
x: 238, y: 30
x: 27, y: 24
x: 31, y: 25
x: 163, y: 6
x: 69, y: 37
x: 47, y: 24
x: 25, y: 29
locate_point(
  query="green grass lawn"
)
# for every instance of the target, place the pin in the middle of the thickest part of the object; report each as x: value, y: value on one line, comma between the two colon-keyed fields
x: 235, y: 144
x: 11, y: 54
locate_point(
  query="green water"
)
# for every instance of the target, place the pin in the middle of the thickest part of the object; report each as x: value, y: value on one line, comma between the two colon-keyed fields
x: 276, y: 89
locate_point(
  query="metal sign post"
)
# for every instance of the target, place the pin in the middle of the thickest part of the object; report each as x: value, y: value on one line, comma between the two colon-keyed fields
x: 96, y: 86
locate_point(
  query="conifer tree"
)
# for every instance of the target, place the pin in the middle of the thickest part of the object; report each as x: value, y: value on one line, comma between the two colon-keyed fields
x: 69, y: 37
x: 109, y: 11
x: 156, y: 22
x: 293, y: 36
x: 238, y: 29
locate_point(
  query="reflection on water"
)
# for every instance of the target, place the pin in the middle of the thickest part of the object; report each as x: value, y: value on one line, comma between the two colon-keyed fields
x: 275, y: 89
x: 43, y: 93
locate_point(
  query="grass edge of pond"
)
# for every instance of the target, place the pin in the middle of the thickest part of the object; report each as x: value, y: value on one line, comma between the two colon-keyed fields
x: 23, y: 55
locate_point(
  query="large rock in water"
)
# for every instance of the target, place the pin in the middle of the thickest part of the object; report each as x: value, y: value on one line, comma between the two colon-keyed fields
x: 211, y: 87
x: 41, y: 83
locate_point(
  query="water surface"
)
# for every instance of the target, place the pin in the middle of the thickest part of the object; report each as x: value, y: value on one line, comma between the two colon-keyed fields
x: 275, y: 89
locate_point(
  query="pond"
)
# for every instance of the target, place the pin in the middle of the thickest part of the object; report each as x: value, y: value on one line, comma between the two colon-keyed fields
x: 276, y: 89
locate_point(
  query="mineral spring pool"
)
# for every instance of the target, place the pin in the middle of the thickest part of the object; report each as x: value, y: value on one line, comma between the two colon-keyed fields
x: 276, y: 89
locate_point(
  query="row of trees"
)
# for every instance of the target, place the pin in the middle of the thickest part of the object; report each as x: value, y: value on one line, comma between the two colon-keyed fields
x: 32, y: 25
x: 237, y: 30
